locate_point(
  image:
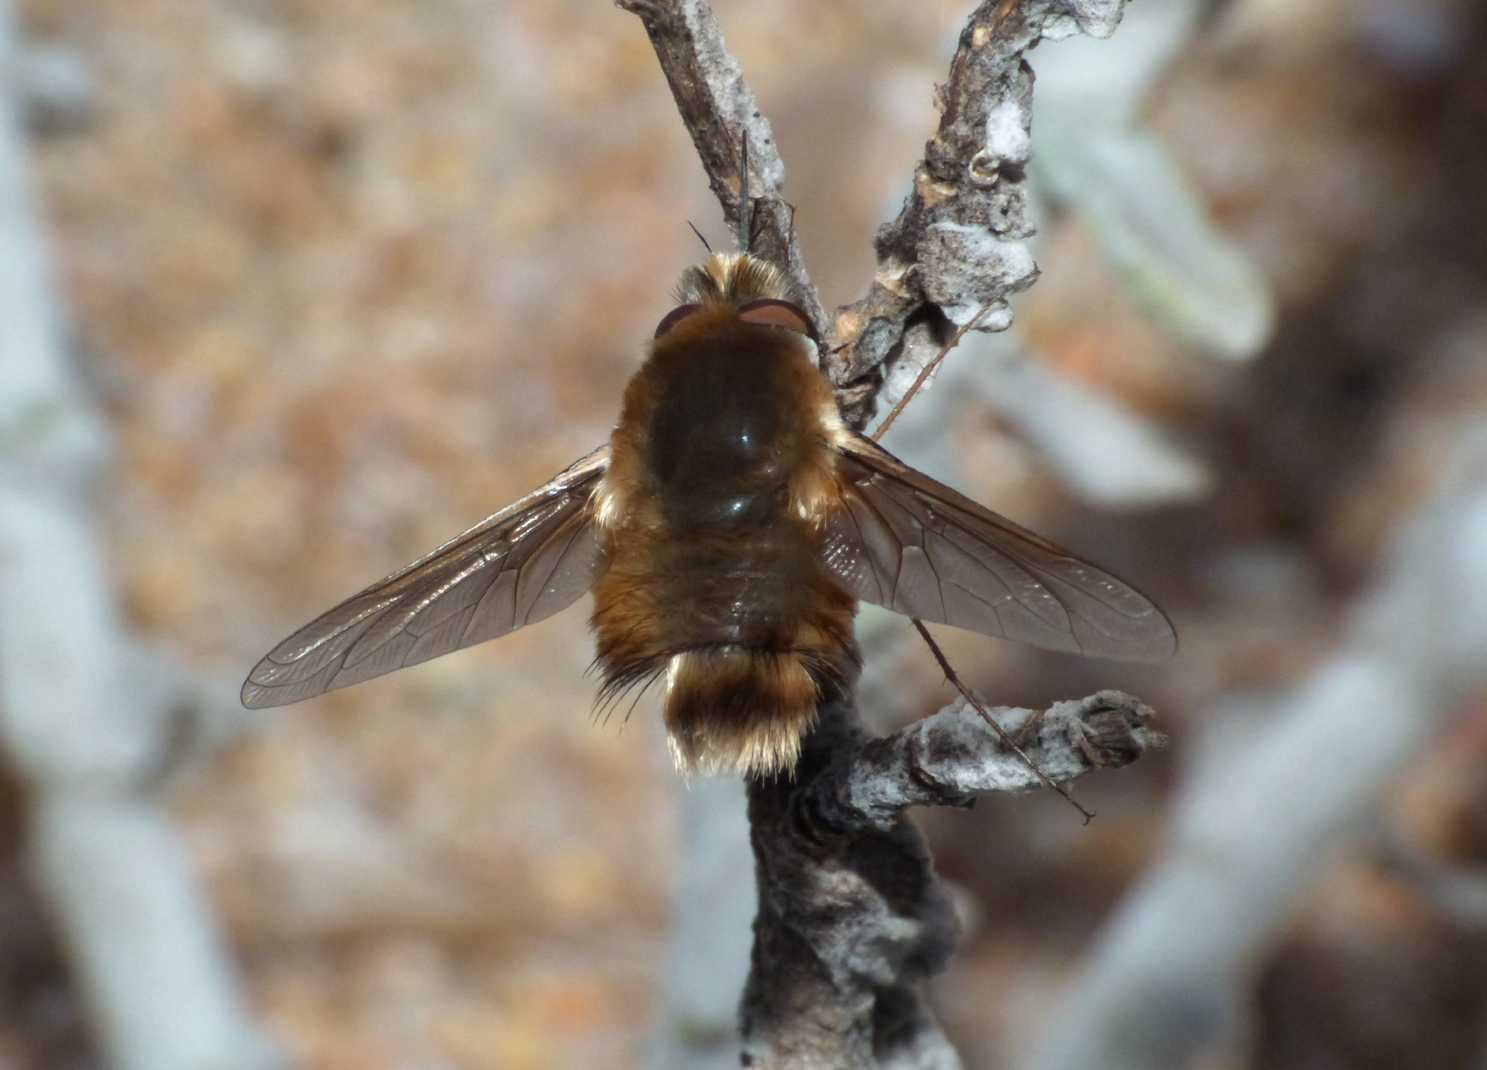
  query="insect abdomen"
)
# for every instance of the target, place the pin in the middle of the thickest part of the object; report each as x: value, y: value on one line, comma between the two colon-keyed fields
x: 735, y: 709
x: 749, y: 634
x: 713, y: 573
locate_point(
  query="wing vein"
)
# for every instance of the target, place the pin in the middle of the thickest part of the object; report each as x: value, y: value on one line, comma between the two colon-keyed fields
x: 416, y: 613
x: 980, y: 571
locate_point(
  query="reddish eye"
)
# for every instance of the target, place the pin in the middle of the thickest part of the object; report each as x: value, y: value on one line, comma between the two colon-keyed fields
x: 675, y: 316
x: 775, y: 313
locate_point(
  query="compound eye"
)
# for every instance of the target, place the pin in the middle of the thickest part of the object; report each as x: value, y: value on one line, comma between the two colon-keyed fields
x: 675, y: 316
x: 772, y: 312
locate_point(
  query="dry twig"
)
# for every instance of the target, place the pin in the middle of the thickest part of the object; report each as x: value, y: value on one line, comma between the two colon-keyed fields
x: 958, y: 243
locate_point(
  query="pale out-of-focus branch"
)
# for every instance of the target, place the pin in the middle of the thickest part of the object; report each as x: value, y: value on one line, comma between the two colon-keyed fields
x: 1255, y: 825
x: 80, y: 725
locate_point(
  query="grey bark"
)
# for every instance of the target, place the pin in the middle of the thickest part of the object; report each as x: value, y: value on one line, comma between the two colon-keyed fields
x: 852, y: 919
x: 959, y: 242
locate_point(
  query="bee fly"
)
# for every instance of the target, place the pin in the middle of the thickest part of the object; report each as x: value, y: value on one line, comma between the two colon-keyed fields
x: 727, y: 530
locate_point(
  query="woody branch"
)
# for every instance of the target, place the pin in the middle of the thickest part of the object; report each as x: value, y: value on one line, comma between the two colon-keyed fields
x: 948, y: 759
x: 850, y: 916
x: 958, y: 243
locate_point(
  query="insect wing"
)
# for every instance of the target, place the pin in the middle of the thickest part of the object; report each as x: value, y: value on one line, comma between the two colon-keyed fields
x: 525, y: 563
x: 903, y: 541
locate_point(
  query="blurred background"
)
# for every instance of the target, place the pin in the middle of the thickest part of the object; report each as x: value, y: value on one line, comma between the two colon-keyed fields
x: 318, y: 284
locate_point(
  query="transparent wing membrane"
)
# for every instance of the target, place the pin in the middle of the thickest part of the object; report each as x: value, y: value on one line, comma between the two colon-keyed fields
x: 525, y: 563
x: 915, y: 546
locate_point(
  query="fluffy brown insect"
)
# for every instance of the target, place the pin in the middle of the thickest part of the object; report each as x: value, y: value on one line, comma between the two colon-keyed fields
x: 727, y: 531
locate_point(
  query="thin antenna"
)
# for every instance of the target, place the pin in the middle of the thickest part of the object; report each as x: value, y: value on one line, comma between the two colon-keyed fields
x: 1001, y: 733
x: 745, y: 206
x: 925, y: 373
x: 757, y: 225
x: 700, y: 238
